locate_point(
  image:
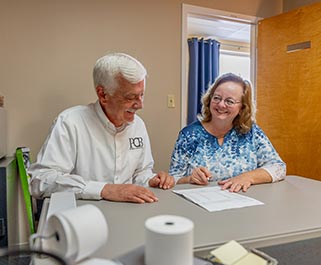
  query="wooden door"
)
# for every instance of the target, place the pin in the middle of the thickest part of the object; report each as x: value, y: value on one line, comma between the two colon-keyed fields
x: 289, y: 88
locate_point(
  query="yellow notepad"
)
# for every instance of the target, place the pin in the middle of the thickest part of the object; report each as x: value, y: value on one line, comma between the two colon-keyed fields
x: 232, y: 253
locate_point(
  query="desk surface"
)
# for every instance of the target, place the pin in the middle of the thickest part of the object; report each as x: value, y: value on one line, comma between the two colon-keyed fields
x: 291, y: 212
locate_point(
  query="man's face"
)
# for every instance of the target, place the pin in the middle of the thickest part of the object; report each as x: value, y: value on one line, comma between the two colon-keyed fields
x: 121, y: 107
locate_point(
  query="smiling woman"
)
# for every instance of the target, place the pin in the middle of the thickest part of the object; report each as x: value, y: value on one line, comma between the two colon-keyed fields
x: 225, y: 144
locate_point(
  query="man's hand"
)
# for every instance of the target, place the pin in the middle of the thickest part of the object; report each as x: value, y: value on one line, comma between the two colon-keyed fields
x: 162, y: 180
x: 127, y: 193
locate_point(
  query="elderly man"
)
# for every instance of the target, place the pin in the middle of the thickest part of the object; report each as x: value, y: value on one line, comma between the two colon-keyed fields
x: 102, y: 150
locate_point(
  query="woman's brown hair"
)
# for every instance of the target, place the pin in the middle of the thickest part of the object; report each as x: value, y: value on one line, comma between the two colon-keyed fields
x: 244, y: 120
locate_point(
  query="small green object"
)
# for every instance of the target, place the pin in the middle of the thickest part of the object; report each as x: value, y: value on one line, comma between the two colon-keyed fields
x: 22, y: 156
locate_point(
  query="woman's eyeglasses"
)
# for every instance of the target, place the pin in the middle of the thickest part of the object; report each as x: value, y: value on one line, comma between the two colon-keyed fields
x: 227, y: 101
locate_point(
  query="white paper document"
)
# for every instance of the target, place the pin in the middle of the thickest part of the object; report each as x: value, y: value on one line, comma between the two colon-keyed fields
x: 215, y: 199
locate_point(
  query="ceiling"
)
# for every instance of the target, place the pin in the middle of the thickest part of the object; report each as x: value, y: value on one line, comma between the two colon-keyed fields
x: 219, y: 29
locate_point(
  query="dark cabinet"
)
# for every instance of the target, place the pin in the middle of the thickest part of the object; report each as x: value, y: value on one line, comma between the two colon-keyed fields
x: 8, y: 201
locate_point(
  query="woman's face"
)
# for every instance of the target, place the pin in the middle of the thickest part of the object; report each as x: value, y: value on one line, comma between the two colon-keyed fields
x: 226, y: 102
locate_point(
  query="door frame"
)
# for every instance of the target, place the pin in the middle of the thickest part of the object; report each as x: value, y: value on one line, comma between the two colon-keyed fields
x: 191, y: 10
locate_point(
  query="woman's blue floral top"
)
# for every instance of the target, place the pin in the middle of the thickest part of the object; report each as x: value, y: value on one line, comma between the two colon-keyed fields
x: 239, y: 153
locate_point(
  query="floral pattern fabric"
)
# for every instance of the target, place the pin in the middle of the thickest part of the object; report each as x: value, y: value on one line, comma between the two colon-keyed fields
x: 239, y: 153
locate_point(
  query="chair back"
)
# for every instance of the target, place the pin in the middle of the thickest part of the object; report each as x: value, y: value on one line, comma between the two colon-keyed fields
x: 29, y: 257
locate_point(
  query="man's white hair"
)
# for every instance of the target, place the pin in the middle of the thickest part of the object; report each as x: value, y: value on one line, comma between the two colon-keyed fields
x: 113, y: 65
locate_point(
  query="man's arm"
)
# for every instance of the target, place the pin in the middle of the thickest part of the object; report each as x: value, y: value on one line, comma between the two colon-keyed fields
x: 46, y: 180
x: 55, y: 162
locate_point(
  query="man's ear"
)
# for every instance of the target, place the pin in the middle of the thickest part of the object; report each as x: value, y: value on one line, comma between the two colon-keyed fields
x: 100, y: 91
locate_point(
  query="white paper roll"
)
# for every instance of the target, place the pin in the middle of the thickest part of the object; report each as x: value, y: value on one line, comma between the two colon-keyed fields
x: 169, y: 240
x: 79, y: 232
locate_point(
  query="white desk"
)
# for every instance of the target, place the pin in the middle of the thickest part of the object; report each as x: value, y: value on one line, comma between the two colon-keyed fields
x: 291, y: 212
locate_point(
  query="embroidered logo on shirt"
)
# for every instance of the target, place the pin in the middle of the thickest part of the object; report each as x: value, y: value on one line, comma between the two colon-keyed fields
x: 136, y: 143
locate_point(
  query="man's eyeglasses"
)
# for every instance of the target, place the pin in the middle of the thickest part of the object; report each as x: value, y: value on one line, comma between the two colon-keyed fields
x: 131, y: 98
x: 228, y: 101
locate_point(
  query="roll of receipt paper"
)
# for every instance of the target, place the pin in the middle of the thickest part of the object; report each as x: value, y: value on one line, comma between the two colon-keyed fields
x: 77, y: 233
x: 169, y: 240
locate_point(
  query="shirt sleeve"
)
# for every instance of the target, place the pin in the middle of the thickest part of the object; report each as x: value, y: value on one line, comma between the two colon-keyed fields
x: 267, y: 156
x: 52, y: 171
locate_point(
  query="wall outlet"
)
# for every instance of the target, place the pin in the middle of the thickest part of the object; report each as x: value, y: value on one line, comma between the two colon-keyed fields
x: 170, y: 101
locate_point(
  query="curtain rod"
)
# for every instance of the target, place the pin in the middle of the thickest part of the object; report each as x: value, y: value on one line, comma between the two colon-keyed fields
x: 222, y: 43
x: 234, y: 45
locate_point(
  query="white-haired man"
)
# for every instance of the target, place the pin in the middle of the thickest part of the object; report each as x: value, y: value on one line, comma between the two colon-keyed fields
x: 102, y: 150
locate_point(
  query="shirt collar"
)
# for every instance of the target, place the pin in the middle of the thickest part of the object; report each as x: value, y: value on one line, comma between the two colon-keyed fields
x: 106, y: 122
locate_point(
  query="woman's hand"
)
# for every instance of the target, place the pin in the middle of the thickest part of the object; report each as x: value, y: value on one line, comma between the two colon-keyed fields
x: 245, y: 180
x: 200, y: 176
x: 241, y: 182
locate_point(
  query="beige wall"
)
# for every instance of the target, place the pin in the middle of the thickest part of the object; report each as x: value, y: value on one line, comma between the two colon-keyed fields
x: 48, y: 49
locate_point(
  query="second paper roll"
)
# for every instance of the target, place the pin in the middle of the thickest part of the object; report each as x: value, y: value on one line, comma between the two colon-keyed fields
x: 79, y: 232
x: 169, y: 240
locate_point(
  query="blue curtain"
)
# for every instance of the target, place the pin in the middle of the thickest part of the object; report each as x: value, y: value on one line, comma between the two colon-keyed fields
x: 203, y: 69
